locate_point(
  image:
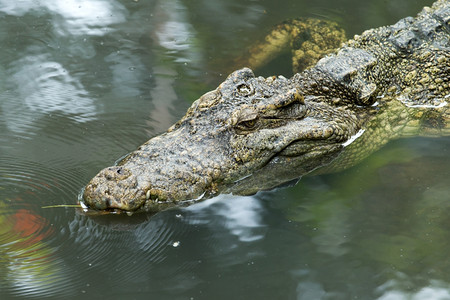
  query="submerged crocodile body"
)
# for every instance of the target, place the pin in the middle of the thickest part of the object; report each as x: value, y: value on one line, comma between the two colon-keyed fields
x: 254, y: 133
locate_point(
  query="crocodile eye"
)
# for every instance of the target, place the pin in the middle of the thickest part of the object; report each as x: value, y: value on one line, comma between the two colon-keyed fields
x: 249, y: 124
x: 244, y: 89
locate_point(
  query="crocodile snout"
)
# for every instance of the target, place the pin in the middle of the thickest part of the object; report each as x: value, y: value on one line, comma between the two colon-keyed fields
x: 114, y: 188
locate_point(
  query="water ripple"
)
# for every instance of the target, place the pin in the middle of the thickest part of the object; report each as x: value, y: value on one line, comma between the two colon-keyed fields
x: 30, y: 266
x: 27, y: 179
x: 164, y: 231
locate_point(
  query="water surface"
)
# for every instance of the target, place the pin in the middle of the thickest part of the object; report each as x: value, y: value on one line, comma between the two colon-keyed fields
x: 83, y: 83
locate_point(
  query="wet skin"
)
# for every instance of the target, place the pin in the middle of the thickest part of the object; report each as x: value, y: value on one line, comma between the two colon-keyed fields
x: 254, y: 133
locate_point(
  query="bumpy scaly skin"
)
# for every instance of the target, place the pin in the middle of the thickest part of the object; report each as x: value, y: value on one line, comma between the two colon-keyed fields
x: 388, y: 82
x: 307, y: 39
x: 250, y: 120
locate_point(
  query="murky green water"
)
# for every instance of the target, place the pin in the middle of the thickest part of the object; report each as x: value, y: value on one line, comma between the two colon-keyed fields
x: 84, y: 82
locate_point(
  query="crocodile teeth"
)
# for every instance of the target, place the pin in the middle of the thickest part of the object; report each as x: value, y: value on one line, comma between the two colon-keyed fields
x: 147, y: 195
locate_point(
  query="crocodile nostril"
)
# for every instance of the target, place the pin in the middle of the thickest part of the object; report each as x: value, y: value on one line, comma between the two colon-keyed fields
x: 120, y: 171
x: 116, y: 173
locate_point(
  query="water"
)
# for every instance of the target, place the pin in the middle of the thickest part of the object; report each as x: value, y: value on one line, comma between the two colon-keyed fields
x: 82, y: 83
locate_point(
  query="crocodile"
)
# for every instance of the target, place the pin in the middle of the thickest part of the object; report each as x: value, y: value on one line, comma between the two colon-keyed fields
x: 346, y: 99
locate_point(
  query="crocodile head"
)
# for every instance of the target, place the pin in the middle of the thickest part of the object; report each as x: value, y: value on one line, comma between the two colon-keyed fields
x: 246, y: 125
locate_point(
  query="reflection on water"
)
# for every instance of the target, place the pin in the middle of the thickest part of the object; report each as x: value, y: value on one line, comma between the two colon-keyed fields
x: 84, y: 82
x: 46, y: 87
x: 240, y: 215
x: 28, y: 264
x: 72, y: 17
